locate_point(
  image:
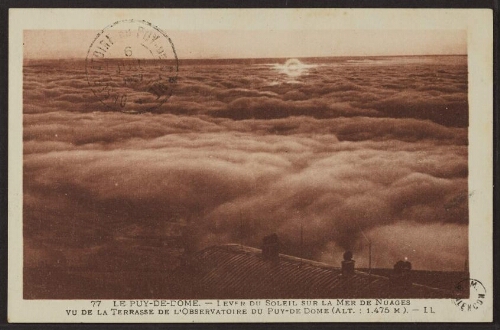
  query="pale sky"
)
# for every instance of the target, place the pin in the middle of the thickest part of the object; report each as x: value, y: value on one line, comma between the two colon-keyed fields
x: 58, y: 44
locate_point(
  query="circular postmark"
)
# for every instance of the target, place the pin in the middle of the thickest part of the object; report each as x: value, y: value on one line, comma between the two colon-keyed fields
x: 469, y: 295
x: 131, y: 66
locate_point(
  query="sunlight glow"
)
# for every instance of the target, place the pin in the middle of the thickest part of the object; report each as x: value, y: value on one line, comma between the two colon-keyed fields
x: 293, y: 68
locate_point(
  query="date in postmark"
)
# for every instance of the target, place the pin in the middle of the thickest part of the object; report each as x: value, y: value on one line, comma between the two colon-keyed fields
x: 131, y: 66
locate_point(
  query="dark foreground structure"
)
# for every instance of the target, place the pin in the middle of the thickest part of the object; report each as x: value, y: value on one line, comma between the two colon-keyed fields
x: 240, y: 272
x: 234, y: 271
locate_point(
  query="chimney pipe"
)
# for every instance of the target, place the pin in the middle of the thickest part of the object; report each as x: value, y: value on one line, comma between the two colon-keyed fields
x: 348, y: 264
x: 271, y: 248
x: 402, y: 271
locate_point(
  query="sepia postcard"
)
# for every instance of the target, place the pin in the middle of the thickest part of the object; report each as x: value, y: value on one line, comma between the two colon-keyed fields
x: 250, y: 165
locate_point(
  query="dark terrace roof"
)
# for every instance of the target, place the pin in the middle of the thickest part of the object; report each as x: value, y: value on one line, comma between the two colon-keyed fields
x: 239, y: 272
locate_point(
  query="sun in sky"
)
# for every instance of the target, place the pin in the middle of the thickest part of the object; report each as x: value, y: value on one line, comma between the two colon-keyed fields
x: 293, y: 69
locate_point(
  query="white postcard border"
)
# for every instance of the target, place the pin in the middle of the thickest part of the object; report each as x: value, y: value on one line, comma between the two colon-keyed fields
x: 479, y: 26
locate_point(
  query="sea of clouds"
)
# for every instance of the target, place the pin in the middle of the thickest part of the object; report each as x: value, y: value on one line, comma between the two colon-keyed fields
x: 349, y: 151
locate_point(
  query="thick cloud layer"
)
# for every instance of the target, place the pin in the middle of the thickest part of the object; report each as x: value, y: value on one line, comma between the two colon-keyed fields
x: 433, y: 88
x: 349, y: 151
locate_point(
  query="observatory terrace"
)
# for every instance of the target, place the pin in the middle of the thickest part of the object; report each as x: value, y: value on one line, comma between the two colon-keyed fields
x: 240, y: 272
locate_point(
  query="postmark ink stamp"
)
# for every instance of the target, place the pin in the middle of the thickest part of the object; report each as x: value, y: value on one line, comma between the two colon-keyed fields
x: 131, y: 66
x: 474, y: 290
